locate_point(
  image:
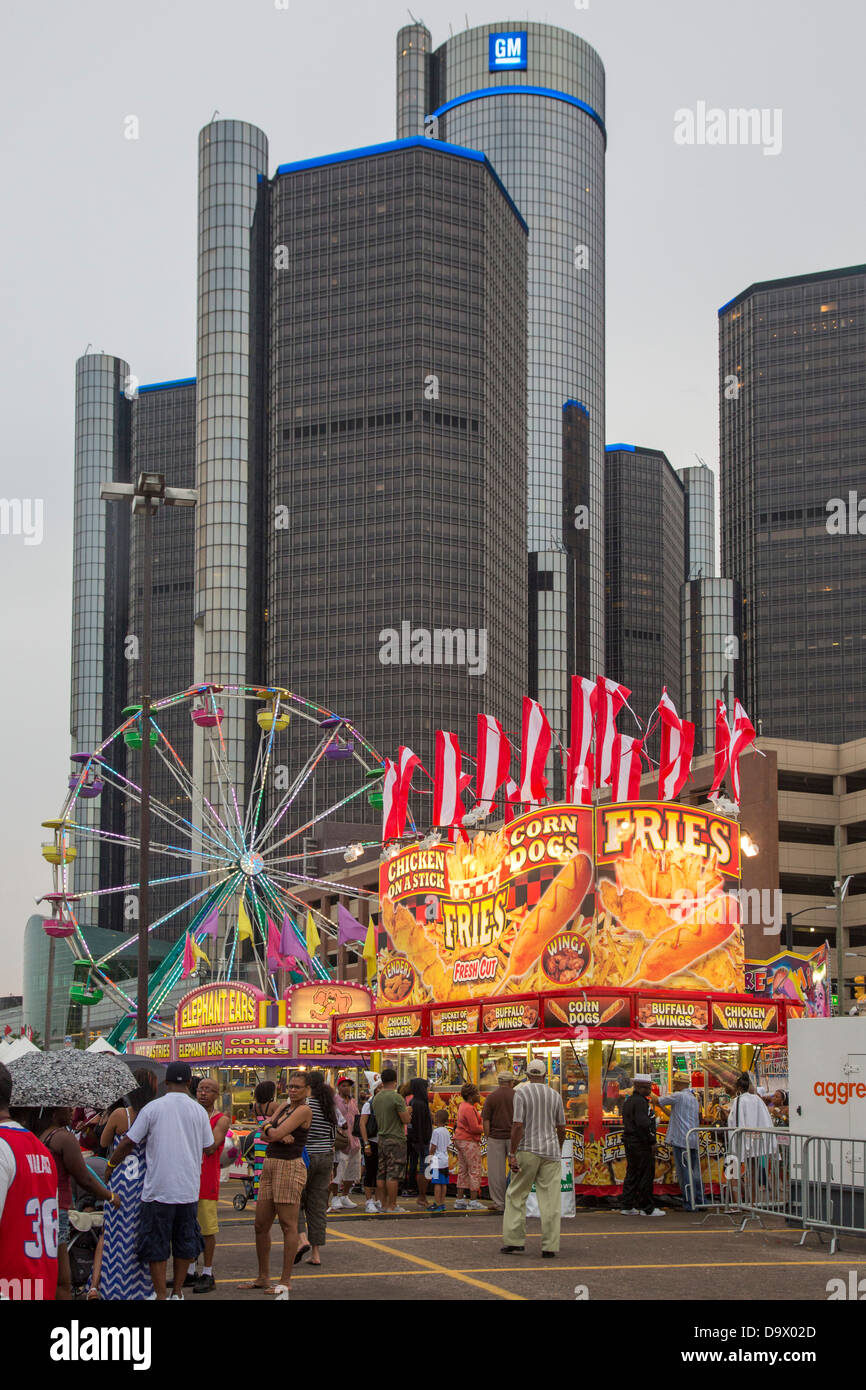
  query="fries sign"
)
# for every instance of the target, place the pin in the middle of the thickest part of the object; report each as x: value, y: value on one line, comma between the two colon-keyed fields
x: 624, y: 896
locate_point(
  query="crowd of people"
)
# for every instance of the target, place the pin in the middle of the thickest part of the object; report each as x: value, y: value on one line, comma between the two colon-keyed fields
x: 308, y: 1152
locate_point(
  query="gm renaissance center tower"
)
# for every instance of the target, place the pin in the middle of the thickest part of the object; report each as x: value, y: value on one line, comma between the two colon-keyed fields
x: 531, y: 97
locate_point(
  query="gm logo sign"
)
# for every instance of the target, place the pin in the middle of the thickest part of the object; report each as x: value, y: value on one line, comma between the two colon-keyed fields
x: 508, y: 51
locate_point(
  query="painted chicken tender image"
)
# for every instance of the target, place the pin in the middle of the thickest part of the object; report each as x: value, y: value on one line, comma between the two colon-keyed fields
x: 409, y: 938
x: 418, y: 941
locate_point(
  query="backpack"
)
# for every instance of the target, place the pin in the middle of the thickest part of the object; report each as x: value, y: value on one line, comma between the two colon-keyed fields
x: 372, y: 1127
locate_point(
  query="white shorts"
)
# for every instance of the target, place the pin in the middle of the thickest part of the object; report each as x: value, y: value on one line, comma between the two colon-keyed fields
x: 348, y: 1166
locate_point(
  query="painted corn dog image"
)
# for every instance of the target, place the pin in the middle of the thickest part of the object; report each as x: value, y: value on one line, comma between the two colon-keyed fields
x: 555, y: 908
x: 680, y: 946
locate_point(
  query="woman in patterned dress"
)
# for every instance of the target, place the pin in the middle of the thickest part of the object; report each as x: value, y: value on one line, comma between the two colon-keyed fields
x: 121, y: 1275
x: 265, y: 1105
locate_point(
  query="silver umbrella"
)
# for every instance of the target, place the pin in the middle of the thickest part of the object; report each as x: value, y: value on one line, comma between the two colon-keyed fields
x: 70, y: 1077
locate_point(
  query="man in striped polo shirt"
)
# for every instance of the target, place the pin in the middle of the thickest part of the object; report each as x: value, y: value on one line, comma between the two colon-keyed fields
x: 537, y: 1137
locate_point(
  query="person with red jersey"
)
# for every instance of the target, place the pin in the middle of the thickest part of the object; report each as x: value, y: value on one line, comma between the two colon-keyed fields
x: 207, y: 1094
x: 28, y: 1208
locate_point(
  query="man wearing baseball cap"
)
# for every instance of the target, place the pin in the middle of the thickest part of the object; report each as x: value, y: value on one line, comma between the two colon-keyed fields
x: 639, y: 1137
x: 177, y: 1131
x: 537, y: 1137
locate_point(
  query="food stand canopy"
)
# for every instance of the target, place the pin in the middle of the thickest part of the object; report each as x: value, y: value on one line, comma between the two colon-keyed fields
x: 639, y: 1015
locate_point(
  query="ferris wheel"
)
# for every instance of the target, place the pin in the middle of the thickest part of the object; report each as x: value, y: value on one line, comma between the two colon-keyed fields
x: 245, y: 854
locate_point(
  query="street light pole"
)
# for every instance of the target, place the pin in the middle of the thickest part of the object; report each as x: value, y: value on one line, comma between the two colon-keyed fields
x: 146, y: 494
x: 789, y: 921
x: 144, y: 827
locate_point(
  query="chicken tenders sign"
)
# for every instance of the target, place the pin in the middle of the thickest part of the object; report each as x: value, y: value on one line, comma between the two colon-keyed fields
x: 626, y: 895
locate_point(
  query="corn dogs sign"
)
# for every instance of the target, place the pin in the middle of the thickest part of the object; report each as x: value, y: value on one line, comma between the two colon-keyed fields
x: 626, y: 895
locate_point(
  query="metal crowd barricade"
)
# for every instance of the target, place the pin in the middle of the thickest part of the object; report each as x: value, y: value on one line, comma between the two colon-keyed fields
x: 708, y: 1172
x: 770, y: 1173
x: 817, y: 1182
x: 746, y: 1173
x: 833, y: 1187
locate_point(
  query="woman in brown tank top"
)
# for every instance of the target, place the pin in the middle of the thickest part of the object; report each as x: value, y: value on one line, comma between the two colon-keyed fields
x: 284, y: 1174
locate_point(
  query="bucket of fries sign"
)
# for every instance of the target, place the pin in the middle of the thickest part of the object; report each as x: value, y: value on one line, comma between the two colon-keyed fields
x: 474, y: 870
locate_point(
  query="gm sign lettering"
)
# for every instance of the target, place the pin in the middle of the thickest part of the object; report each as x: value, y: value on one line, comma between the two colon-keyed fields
x: 508, y: 51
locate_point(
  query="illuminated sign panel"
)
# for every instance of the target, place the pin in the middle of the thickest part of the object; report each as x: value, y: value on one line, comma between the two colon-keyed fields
x: 508, y: 51
x: 218, y: 1006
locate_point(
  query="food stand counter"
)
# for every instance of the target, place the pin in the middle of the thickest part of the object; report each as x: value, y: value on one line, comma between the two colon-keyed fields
x: 594, y: 1042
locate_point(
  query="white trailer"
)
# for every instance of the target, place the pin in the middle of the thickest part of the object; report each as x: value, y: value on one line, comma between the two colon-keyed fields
x: 827, y: 1077
x: 827, y: 1103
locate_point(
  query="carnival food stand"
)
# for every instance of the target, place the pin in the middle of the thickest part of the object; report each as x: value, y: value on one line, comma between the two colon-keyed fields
x: 239, y: 1036
x: 605, y: 939
x: 593, y: 1041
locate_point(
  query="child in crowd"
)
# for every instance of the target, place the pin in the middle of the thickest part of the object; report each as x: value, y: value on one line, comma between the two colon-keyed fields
x: 439, y: 1141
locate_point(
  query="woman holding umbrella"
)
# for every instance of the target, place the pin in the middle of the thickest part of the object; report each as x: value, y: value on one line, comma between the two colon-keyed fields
x: 51, y: 1126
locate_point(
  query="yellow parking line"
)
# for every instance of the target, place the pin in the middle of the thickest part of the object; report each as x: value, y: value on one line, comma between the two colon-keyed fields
x: 522, y: 1268
x: 573, y: 1235
x: 430, y: 1266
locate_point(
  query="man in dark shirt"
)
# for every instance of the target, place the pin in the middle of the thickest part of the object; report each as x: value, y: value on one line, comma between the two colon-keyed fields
x: 639, y: 1137
x: 497, y: 1117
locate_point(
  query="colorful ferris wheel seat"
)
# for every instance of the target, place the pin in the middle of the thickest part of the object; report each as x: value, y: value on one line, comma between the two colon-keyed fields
x: 267, y: 720
x: 57, y: 851
x: 81, y: 991
x: 133, y: 737
x: 87, y: 787
x: 58, y: 926
x: 343, y: 748
x: 374, y: 795
x: 80, y: 994
x: 205, y: 718
x: 86, y: 782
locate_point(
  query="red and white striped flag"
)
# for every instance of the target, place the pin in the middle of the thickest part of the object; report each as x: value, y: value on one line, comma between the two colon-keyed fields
x: 535, y: 741
x: 678, y: 741
x: 584, y: 700
x: 627, y: 768
x: 395, y: 793
x: 494, y: 760
x: 723, y: 746
x: 743, y: 734
x: 449, y: 781
x: 610, y: 699
x: 512, y: 793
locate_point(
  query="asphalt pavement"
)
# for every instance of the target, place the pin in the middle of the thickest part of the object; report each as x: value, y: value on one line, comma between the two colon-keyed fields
x: 603, y: 1255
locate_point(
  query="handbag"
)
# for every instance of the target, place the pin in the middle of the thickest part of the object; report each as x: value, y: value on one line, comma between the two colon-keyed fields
x: 342, y: 1143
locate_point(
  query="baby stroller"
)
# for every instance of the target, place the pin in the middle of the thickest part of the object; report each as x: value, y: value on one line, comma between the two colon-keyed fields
x: 248, y: 1181
x: 85, y: 1228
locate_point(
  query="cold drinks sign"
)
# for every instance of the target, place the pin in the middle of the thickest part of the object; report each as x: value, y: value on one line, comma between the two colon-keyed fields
x: 508, y: 51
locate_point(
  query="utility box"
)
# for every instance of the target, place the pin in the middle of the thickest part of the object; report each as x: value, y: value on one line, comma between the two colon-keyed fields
x: 827, y: 1077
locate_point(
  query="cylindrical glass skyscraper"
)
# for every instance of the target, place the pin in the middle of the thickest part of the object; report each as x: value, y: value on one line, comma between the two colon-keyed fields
x: 531, y: 96
x: 99, y: 587
x: 232, y: 157
x: 698, y: 482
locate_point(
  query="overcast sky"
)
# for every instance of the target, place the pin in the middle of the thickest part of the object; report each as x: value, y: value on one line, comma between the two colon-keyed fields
x: 98, y: 240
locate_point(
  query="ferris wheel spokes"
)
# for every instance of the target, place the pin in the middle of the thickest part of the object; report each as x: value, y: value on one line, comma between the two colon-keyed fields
x: 132, y: 791
x: 303, y: 776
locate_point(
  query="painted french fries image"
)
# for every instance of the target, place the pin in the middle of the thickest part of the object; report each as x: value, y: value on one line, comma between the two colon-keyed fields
x: 680, y: 946
x: 555, y: 908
